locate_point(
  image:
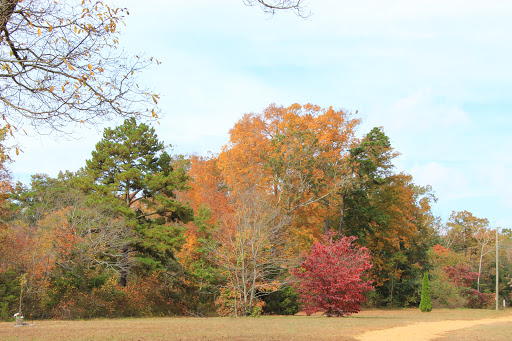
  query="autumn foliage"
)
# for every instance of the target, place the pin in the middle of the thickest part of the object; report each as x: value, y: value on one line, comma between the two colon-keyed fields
x: 297, y: 154
x: 332, y: 278
x: 118, y: 237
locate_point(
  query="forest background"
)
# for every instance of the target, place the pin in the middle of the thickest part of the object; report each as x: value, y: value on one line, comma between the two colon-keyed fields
x: 139, y: 231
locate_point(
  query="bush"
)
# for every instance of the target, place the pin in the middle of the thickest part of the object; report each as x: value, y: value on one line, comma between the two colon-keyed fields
x: 478, y: 300
x: 282, y: 302
x: 9, y: 294
x: 257, y: 309
x: 225, y: 303
x: 425, y: 303
x: 446, y: 294
x: 332, y: 279
x: 153, y: 295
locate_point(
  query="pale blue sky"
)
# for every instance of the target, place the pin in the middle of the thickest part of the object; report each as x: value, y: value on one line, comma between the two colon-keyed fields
x: 435, y: 74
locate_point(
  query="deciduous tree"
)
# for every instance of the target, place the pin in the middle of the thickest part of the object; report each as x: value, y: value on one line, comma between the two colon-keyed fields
x: 250, y: 251
x: 59, y: 231
x: 462, y: 226
x: 298, y: 154
x: 61, y: 63
x: 485, y: 239
x: 332, y: 278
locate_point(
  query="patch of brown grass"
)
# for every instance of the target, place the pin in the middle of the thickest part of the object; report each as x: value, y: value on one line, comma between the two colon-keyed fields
x: 223, y: 328
x: 492, y: 332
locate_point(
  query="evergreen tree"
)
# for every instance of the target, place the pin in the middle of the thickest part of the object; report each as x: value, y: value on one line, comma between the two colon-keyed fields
x: 425, y: 304
x: 130, y: 166
x: 390, y: 215
x: 371, y: 165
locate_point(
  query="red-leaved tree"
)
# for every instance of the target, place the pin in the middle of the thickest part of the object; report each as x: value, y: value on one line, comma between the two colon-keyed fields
x: 464, y: 279
x: 332, y: 279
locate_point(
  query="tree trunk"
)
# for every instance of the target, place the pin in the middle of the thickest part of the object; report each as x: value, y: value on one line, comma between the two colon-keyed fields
x: 7, y: 8
x: 123, y: 280
x: 342, y: 215
x: 393, y: 286
x: 480, y: 267
x: 326, y: 225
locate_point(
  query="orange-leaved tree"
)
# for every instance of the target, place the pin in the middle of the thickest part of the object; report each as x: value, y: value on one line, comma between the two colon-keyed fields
x: 296, y: 153
x: 293, y: 159
x: 392, y: 238
x: 208, y: 198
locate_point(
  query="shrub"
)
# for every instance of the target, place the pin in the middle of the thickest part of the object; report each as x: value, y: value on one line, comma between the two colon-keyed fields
x: 332, y: 277
x: 226, y: 303
x: 9, y: 294
x: 282, y: 302
x: 257, y: 309
x: 478, y: 300
x: 425, y: 303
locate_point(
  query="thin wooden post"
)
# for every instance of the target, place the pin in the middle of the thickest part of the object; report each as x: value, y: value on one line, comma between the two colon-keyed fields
x: 497, y: 272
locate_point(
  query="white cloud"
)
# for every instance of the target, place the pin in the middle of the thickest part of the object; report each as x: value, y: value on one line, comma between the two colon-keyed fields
x: 483, y: 189
x: 498, y: 178
x: 448, y: 183
x: 424, y: 127
x: 422, y: 111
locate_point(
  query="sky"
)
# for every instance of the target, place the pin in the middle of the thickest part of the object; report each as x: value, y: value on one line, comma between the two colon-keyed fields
x: 436, y: 75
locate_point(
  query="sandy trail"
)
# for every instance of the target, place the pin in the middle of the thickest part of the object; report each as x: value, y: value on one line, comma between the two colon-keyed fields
x: 425, y: 331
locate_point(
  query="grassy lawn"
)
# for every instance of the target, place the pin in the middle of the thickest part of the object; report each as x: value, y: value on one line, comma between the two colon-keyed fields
x: 494, y: 332
x: 264, y: 328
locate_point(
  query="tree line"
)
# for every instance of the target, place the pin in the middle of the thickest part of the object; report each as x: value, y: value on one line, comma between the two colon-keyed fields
x: 295, y: 212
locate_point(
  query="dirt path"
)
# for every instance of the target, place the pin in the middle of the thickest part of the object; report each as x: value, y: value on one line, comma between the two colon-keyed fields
x: 425, y: 331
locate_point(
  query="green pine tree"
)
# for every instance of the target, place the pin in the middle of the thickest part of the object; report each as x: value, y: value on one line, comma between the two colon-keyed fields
x: 425, y: 304
x: 131, y: 167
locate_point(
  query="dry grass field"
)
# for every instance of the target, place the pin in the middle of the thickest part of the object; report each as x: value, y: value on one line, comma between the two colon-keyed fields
x: 264, y: 328
x: 493, y: 332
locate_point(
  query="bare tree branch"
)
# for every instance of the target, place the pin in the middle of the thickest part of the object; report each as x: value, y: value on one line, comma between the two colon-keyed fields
x: 60, y: 63
x: 271, y: 6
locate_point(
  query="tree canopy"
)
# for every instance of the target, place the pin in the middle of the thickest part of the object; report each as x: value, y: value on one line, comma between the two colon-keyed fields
x: 61, y: 64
